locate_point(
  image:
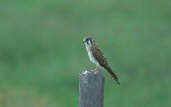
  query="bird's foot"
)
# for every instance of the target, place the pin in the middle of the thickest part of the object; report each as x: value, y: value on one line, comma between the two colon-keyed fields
x: 96, y: 69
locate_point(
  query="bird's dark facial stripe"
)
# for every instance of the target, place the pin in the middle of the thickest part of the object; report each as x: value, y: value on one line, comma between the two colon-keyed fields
x: 89, y: 41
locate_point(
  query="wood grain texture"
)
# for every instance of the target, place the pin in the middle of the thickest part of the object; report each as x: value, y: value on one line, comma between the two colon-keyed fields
x: 91, y: 89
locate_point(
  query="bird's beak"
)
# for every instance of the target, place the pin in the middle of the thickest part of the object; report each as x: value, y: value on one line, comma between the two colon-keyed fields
x: 84, y: 41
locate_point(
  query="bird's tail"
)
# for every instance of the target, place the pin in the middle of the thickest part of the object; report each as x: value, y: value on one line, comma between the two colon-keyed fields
x: 114, y: 76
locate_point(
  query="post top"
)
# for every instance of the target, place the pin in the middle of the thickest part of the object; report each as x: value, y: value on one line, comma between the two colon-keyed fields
x: 87, y: 73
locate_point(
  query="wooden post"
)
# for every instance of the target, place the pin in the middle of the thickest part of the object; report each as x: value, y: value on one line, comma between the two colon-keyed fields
x: 91, y: 89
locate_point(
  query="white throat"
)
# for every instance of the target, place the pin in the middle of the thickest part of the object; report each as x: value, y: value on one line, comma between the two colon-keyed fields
x: 91, y: 57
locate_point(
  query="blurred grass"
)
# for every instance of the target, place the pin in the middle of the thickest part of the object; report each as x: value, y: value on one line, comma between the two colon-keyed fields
x: 41, y: 51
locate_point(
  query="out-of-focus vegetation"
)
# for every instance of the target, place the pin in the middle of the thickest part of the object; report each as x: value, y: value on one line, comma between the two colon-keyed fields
x: 41, y: 51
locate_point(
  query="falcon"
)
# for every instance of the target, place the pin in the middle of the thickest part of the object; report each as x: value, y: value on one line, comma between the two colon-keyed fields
x: 97, y: 57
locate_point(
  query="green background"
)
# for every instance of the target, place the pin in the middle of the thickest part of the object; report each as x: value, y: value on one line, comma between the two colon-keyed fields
x: 41, y: 51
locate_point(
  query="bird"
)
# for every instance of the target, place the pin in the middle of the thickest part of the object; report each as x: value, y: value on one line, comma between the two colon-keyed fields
x: 97, y: 57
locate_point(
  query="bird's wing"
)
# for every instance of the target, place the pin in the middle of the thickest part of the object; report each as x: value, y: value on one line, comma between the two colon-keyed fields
x: 99, y: 56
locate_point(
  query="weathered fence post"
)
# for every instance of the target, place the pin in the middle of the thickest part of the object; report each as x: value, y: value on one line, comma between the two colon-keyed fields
x: 91, y: 89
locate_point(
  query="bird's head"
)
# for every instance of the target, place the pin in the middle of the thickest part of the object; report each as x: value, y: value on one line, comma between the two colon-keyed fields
x: 88, y: 40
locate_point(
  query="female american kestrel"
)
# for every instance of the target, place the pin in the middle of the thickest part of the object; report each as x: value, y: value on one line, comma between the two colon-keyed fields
x: 97, y: 57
